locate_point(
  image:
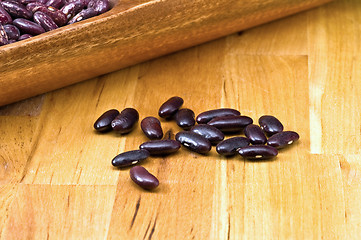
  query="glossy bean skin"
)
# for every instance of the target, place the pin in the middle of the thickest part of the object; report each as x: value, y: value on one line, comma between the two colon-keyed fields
x: 258, y: 152
x: 16, y: 10
x: 27, y: 26
x: 55, y: 3
x: 229, y: 124
x: 25, y: 2
x: 12, y: 32
x: 72, y: 8
x: 82, y: 15
x: 101, y: 6
x: 255, y: 134
x: 207, y: 116
x: 3, y: 36
x: 283, y: 139
x: 45, y: 21
x: 170, y: 107
x: 25, y: 36
x: 103, y: 123
x: 185, y: 118
x: 125, y: 121
x: 58, y: 17
x: 270, y: 124
x: 143, y: 178
x: 194, y: 142
x: 130, y: 158
x: 230, y: 146
x: 152, y: 128
x: 161, y: 147
x: 212, y: 134
x: 5, y: 17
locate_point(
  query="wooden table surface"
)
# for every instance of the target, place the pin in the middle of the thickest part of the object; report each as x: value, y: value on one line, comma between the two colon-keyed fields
x: 57, y: 182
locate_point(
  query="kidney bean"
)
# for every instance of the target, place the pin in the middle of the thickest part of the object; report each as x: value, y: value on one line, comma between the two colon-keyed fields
x: 103, y: 123
x: 212, y: 134
x: 25, y: 2
x: 230, y: 146
x: 194, y: 142
x: 255, y: 152
x: 58, y: 17
x: 130, y: 158
x: 125, y: 121
x: 3, y: 36
x: 12, y: 32
x: 101, y: 6
x: 185, y: 118
x: 270, y: 124
x: 25, y: 36
x: 207, y: 116
x: 55, y: 3
x: 5, y: 17
x: 84, y: 2
x: 170, y: 107
x: 16, y: 9
x: 143, y: 178
x: 28, y: 26
x: 161, y: 147
x: 82, y: 15
x: 152, y: 128
x: 72, y: 8
x: 255, y: 134
x: 282, y: 139
x: 230, y: 123
x: 45, y: 21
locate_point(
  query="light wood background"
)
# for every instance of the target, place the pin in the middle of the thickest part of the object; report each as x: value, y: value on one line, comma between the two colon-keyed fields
x: 56, y: 180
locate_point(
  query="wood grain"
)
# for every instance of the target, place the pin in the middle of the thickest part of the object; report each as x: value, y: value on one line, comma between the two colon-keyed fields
x: 55, y: 171
x: 132, y: 32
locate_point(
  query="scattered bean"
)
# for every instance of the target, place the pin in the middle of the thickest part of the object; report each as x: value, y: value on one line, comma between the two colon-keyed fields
x: 258, y: 152
x: 170, y: 107
x: 212, y: 134
x: 103, y: 123
x: 125, y: 121
x: 161, y: 147
x: 130, y: 158
x: 194, y: 142
x: 270, y: 124
x: 230, y: 146
x: 282, y: 139
x: 152, y: 128
x: 143, y: 178
x: 185, y: 118
x: 230, y: 123
x: 207, y: 116
x: 255, y: 134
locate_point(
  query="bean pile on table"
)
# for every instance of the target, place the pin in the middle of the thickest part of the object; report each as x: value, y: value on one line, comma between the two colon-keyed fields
x: 209, y: 128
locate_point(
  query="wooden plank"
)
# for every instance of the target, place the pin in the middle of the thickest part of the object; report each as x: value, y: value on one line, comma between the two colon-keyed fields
x: 335, y: 88
x: 60, y: 212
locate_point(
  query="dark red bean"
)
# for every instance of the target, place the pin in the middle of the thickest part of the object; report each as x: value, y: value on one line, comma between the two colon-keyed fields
x: 103, y: 123
x: 161, y: 147
x: 12, y: 32
x: 130, y: 158
x: 282, y: 139
x: 258, y: 152
x: 82, y: 15
x: 125, y: 121
x: 24, y: 36
x: 101, y: 6
x: 16, y: 10
x: 5, y: 17
x: 270, y: 124
x: 212, y: 134
x: 152, y: 128
x: 3, y: 36
x: 58, y: 17
x: 230, y: 123
x: 25, y: 2
x: 170, y: 107
x: 185, y: 118
x: 143, y: 178
x: 207, y: 116
x: 55, y: 3
x: 194, y: 142
x: 45, y: 21
x: 85, y: 2
x: 72, y: 8
x: 27, y: 26
x: 255, y: 134
x: 230, y: 146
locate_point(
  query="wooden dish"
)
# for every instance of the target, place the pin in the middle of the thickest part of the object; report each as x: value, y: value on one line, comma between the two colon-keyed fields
x: 131, y: 32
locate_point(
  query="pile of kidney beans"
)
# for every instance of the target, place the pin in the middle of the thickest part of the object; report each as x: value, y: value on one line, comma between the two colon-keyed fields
x: 261, y: 142
x: 22, y: 19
